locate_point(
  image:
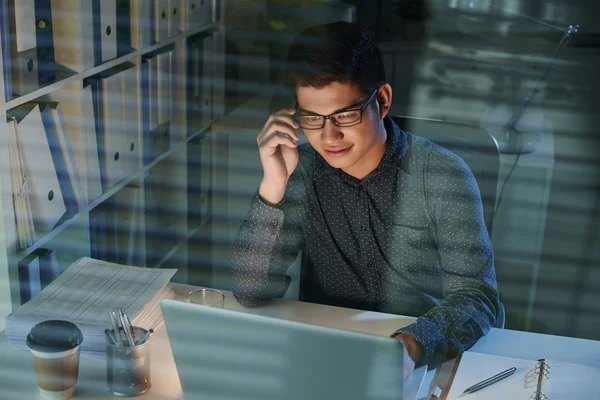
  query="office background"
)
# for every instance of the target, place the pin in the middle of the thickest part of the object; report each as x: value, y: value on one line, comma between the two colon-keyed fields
x: 457, y: 61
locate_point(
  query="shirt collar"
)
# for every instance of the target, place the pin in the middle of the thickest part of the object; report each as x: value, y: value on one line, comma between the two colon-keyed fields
x: 394, y: 156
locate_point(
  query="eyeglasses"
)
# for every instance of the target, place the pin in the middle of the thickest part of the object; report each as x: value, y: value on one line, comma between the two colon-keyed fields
x: 344, y: 118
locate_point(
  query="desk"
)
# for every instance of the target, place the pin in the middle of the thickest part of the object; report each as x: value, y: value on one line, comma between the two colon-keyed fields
x: 18, y: 382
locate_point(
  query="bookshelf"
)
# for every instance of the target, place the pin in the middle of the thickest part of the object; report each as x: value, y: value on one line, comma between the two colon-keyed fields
x: 144, y: 213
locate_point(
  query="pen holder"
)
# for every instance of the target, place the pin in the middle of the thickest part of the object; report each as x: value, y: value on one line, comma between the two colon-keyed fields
x: 128, y: 368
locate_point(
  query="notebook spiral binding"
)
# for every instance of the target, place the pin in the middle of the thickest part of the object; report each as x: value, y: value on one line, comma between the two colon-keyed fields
x: 542, y: 372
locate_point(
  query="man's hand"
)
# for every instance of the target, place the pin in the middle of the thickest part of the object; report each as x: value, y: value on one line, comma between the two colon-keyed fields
x: 414, y: 352
x: 277, y: 144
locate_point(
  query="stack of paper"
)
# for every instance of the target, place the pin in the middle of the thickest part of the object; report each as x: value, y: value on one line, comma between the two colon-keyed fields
x: 20, y: 190
x: 85, y: 294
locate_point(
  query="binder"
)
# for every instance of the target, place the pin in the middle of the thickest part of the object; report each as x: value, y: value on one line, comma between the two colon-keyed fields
x: 207, y: 15
x: 94, y: 176
x: 47, y: 203
x: 164, y: 85
x: 114, y: 159
x: 174, y: 18
x: 29, y: 277
x: 62, y: 156
x: 142, y: 23
x: 541, y: 379
x: 199, y: 180
x: 132, y: 120
x: 71, y: 103
x: 152, y: 85
x: 219, y: 65
x: 105, y: 30
x: 207, y: 73
x: 45, y: 41
x: 123, y: 27
x: 144, y: 110
x: 5, y: 48
x: 161, y: 20
x: 190, y: 15
x: 73, y: 34
x: 23, y: 51
x: 107, y: 96
x: 126, y: 209
x: 159, y: 136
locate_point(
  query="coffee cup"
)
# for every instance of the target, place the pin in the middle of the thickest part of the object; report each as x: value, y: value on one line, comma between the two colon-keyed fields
x: 54, y: 347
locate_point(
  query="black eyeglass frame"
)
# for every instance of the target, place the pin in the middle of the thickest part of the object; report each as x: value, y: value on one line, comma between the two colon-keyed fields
x: 329, y: 117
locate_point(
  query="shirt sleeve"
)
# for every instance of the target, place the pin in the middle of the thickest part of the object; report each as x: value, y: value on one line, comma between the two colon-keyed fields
x: 266, y: 244
x: 470, y: 303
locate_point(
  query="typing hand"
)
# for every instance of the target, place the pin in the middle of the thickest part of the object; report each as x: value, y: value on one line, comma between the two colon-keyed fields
x: 414, y: 352
x: 277, y: 144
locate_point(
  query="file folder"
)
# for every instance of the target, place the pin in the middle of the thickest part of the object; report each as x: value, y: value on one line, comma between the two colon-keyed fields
x: 47, y: 203
x: 161, y: 20
x: 142, y: 23
x: 132, y: 120
x: 23, y: 51
x: 62, y: 155
x: 105, y: 30
x: 73, y: 34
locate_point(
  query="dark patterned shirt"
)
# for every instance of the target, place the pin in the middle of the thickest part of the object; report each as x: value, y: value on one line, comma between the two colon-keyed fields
x: 408, y: 239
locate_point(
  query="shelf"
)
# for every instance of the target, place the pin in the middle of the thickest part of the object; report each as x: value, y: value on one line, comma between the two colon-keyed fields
x: 109, y: 193
x: 100, y: 68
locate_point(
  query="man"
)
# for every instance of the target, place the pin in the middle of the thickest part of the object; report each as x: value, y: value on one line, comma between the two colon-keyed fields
x: 387, y: 221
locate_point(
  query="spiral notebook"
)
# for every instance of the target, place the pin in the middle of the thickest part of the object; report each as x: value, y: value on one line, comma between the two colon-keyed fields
x: 556, y: 380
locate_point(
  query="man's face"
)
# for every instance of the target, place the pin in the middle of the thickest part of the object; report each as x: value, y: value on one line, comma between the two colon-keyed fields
x: 357, y: 149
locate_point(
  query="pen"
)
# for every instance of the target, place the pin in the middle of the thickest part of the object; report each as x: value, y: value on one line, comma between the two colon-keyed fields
x: 110, y: 336
x: 115, y: 323
x: 489, y: 381
x: 145, y: 337
x: 123, y: 320
x: 130, y: 327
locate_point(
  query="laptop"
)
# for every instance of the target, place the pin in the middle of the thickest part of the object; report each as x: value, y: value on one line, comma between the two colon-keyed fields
x: 222, y: 354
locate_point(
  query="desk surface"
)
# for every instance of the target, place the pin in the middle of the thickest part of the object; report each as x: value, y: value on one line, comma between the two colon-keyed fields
x: 18, y: 382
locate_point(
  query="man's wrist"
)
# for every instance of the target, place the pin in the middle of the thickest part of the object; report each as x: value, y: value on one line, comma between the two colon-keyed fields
x: 414, y: 348
x: 271, y: 193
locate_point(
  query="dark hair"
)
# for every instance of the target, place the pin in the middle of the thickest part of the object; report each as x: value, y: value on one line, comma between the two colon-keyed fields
x: 341, y: 52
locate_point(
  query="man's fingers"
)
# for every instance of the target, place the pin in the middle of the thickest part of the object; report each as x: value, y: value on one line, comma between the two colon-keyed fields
x: 289, y: 111
x: 277, y: 138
